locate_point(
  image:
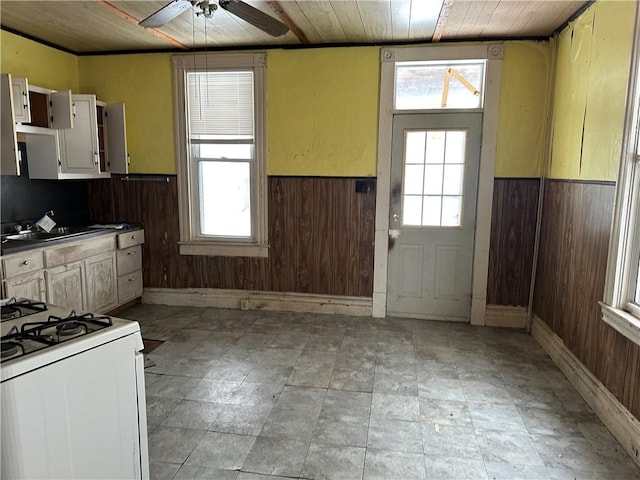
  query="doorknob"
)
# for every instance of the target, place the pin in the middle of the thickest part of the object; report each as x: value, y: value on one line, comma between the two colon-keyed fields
x: 395, y: 217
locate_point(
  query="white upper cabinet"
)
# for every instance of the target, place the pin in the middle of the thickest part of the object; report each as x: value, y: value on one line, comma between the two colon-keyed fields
x: 9, y: 154
x: 21, y: 107
x: 116, y: 139
x: 79, y: 145
x: 68, y: 136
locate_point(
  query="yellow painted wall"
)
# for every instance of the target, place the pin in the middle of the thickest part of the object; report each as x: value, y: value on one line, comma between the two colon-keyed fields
x: 522, y: 115
x: 43, y: 66
x: 144, y: 83
x: 322, y: 111
x: 590, y: 90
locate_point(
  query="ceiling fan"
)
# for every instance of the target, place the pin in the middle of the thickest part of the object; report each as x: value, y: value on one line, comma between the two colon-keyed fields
x: 205, y: 8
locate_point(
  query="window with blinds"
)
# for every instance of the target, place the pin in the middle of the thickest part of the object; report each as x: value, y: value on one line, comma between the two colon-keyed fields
x: 221, y: 126
x: 222, y: 177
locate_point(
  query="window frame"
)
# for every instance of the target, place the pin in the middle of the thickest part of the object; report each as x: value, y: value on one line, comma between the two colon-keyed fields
x: 191, y: 243
x: 618, y: 308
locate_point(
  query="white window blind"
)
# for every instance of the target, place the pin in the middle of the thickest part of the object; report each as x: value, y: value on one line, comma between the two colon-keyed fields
x: 220, y: 104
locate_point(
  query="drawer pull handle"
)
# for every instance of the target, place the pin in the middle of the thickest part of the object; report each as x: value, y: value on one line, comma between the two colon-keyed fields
x: 129, y: 279
x: 133, y: 237
x: 131, y: 253
x: 26, y: 262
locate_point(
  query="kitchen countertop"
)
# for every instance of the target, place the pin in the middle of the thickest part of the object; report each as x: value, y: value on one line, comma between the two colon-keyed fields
x: 14, y: 246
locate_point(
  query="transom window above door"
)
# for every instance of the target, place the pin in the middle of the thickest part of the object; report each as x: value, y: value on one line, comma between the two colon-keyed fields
x: 434, y: 164
x: 439, y: 85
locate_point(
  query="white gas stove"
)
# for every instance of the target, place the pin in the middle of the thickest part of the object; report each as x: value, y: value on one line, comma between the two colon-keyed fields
x: 58, y: 369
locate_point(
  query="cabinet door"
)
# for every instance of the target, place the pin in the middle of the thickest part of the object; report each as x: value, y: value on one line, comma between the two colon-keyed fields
x: 9, y: 156
x: 61, y: 113
x: 79, y: 145
x: 65, y: 286
x: 21, y: 109
x: 30, y: 285
x: 100, y: 272
x: 117, y: 155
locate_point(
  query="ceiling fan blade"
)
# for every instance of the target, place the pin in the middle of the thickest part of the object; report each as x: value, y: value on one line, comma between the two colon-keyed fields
x: 255, y: 17
x: 166, y: 13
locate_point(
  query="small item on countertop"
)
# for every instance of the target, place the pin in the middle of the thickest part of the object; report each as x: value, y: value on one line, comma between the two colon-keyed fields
x: 46, y: 223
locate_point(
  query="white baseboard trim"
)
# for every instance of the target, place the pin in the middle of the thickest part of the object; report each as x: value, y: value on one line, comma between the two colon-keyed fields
x: 257, y: 300
x: 615, y: 416
x: 505, y: 316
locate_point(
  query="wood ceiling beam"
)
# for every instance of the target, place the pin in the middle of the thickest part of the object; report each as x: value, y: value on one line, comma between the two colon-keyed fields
x: 130, y: 18
x: 442, y: 20
x: 286, y: 19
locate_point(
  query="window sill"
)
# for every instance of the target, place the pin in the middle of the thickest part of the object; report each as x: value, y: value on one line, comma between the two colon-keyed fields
x: 623, y: 322
x: 223, y: 249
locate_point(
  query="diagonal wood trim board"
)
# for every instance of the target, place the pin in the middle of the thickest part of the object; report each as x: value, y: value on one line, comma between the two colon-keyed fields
x: 620, y: 422
x: 257, y: 300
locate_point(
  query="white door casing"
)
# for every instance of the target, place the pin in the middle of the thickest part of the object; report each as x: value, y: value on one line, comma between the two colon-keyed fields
x: 389, y: 56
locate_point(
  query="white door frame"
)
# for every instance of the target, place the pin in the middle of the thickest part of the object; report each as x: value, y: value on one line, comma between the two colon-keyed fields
x: 388, y: 58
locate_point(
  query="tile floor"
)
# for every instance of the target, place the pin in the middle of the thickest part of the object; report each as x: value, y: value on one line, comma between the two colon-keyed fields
x: 263, y: 395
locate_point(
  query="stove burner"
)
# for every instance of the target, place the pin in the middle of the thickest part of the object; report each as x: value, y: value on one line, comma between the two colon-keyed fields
x: 9, y: 349
x: 70, y: 328
x: 9, y: 312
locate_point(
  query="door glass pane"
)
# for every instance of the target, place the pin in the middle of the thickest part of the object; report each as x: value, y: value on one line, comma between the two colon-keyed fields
x: 451, y: 210
x: 414, y: 148
x: 456, y: 146
x: 433, y: 180
x: 412, y: 210
x: 413, y: 179
x: 435, y: 146
x: 433, y: 190
x: 431, y: 212
x: 453, y: 175
x: 225, y: 198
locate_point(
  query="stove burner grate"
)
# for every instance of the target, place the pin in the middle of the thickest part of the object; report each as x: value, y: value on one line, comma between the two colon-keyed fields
x: 68, y: 329
x: 10, y: 349
x: 9, y: 312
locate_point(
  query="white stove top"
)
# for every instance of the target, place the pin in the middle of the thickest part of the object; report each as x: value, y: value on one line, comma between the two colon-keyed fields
x: 50, y: 338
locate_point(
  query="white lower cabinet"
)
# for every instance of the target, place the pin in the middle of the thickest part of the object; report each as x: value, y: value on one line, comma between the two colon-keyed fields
x: 100, y: 275
x: 65, y: 286
x: 86, y: 276
x: 30, y: 285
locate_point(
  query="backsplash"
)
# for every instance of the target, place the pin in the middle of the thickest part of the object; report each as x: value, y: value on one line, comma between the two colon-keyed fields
x: 23, y: 199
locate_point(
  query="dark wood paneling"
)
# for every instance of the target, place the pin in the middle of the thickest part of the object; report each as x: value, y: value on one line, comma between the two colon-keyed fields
x: 570, y: 281
x: 320, y: 233
x: 513, y: 224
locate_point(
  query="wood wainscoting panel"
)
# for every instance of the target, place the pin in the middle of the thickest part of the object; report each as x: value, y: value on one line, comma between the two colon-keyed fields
x: 320, y: 234
x: 513, y: 227
x: 570, y: 279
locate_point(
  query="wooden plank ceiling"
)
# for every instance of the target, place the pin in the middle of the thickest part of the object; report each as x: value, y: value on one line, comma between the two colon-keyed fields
x: 108, y: 26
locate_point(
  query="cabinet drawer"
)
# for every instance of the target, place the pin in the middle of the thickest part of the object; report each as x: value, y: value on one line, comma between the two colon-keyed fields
x: 22, y: 263
x: 129, y: 287
x: 129, y: 239
x: 129, y: 260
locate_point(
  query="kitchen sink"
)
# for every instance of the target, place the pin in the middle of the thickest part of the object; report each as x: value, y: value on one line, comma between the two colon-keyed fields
x: 56, y: 233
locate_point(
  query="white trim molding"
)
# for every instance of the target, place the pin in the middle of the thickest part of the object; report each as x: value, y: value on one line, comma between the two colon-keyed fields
x: 615, y: 416
x: 257, y: 300
x: 505, y: 316
x: 492, y: 53
x: 620, y: 307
